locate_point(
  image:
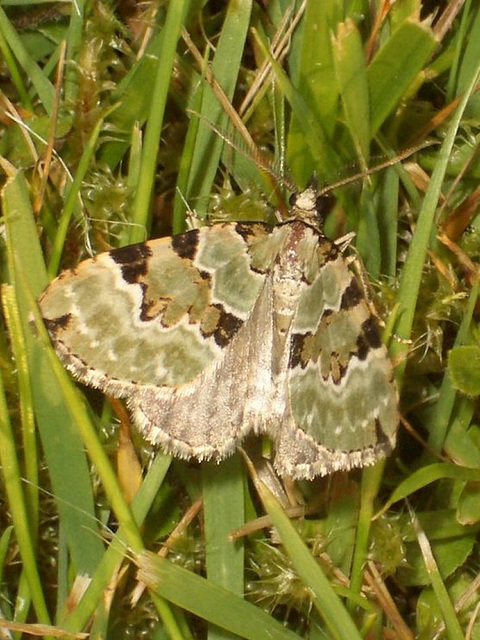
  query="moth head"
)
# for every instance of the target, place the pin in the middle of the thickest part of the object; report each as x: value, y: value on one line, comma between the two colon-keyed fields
x: 308, y: 205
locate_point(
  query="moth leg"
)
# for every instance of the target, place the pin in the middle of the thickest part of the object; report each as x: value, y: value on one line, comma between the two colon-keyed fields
x: 364, y: 281
x: 345, y: 241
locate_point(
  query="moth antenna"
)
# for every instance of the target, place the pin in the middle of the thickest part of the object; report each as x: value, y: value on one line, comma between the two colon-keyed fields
x: 313, y: 182
x: 388, y: 163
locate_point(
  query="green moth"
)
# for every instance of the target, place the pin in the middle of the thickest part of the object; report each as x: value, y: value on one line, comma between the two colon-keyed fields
x: 231, y: 329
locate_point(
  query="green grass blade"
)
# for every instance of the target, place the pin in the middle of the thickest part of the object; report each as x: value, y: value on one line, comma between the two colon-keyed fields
x: 313, y: 138
x: 28, y: 443
x: 225, y: 69
x: 395, y: 67
x: 440, y: 420
x: 209, y: 601
x: 313, y: 83
x: 452, y: 625
x: 426, y: 475
x: 71, y: 200
x: 128, y: 235
x: 75, y: 34
x: 412, y: 271
x: 15, y: 74
x: 223, y: 507
x: 132, y: 108
x: 29, y: 440
x: 388, y: 220
x: 144, y: 193
x: 178, y: 218
x: 471, y: 53
x: 371, y: 479
x: 351, y: 74
x: 132, y: 101
x: 18, y: 506
x: 42, y: 84
x: 77, y: 618
x: 325, y: 599
x: 62, y: 447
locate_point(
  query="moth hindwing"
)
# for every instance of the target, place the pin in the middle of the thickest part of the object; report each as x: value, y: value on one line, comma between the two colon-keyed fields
x: 231, y: 329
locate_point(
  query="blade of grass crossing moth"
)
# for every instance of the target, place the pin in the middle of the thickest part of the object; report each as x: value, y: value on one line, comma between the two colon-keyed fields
x: 106, y: 472
x: 90, y: 439
x: 65, y: 456
x: 77, y: 618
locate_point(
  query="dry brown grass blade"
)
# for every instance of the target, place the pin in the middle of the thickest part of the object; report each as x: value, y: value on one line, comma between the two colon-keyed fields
x: 375, y: 581
x: 47, y: 160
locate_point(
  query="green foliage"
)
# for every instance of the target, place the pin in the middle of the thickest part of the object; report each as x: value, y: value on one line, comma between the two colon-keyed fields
x: 464, y: 364
x: 112, y: 125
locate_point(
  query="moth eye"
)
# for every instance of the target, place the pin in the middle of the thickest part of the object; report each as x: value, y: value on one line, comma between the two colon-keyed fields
x: 325, y: 204
x: 293, y: 199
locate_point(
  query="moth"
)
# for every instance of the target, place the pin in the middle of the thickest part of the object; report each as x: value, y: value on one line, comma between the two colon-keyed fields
x: 233, y: 329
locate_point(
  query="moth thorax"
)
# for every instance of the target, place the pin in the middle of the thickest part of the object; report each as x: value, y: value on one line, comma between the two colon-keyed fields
x: 286, y: 286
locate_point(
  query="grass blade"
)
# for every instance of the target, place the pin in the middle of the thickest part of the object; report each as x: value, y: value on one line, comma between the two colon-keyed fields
x: 209, y: 601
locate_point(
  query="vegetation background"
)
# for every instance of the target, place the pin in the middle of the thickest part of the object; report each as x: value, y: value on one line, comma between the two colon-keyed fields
x: 114, y: 118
